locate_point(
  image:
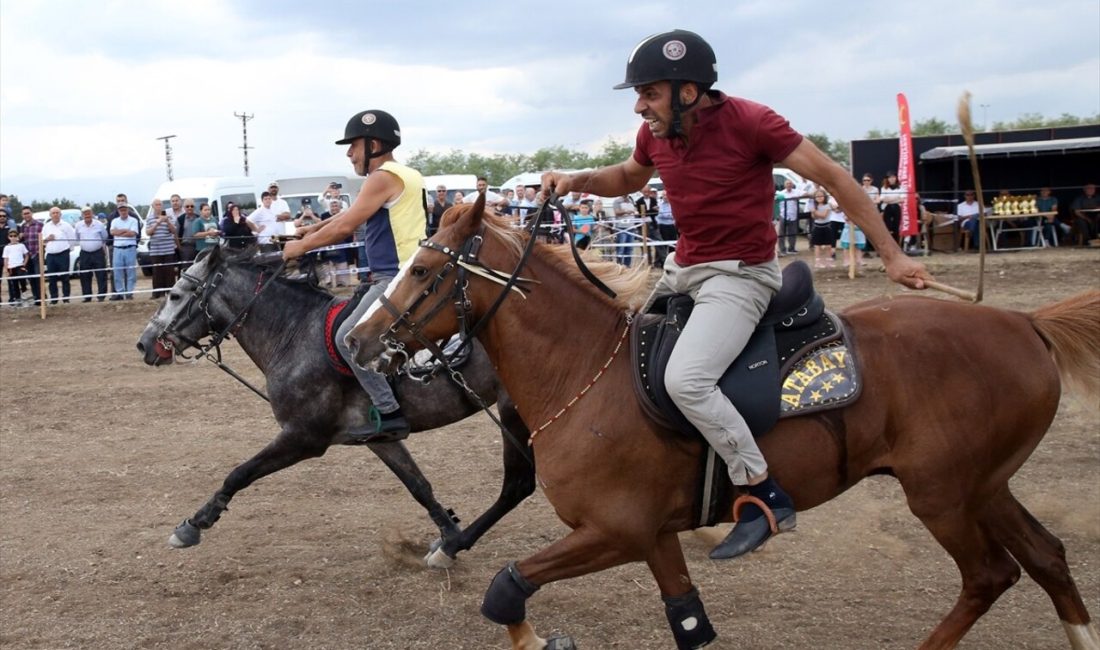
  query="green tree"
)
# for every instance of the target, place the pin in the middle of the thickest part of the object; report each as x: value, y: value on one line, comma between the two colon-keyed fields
x: 878, y: 134
x: 932, y: 126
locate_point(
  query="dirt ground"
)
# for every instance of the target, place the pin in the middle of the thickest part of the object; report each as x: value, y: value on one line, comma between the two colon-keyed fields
x: 101, y: 456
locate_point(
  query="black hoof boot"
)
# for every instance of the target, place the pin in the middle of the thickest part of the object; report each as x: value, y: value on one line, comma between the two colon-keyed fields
x: 560, y: 642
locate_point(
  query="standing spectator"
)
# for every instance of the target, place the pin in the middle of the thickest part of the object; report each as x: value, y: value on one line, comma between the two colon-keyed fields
x: 185, y: 226
x: 206, y: 230
x: 175, y: 214
x: 238, y: 231
x: 60, y: 238
x: 583, y: 224
x: 821, y: 230
x: 482, y: 185
x: 439, y: 206
x: 458, y: 197
x: 5, y: 208
x: 15, y: 264
x: 92, y: 236
x: 279, y: 207
x: 666, y: 229
x: 646, y: 205
x: 30, y: 230
x: 125, y: 229
x: 334, y: 268
x: 161, y: 228
x: 265, y: 219
x: 624, y: 212
x: 967, y: 211
x: 6, y: 226
x: 788, y: 218
x: 1086, y: 222
x: 333, y: 191
x: 891, y: 196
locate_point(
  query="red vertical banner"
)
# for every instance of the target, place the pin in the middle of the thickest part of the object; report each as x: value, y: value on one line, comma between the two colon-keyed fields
x: 907, y: 176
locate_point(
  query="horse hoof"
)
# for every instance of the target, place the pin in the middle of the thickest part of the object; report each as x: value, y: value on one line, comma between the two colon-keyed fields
x: 437, y: 559
x: 559, y: 642
x: 185, y: 535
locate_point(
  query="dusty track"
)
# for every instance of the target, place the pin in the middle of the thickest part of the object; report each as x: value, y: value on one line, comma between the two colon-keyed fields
x: 101, y: 456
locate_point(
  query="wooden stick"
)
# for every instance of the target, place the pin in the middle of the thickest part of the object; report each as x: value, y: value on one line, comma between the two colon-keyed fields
x: 946, y: 288
x: 851, y: 251
x: 41, y: 276
x: 967, y: 128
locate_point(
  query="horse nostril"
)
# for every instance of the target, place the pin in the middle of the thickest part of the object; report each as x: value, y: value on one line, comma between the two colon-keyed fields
x: 141, y: 347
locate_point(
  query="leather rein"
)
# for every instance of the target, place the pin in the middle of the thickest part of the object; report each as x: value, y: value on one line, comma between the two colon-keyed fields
x: 198, y: 306
x: 464, y: 262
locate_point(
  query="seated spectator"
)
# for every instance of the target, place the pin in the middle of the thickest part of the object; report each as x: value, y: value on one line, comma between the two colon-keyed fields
x: 1086, y: 222
x: 1051, y: 225
x: 967, y: 212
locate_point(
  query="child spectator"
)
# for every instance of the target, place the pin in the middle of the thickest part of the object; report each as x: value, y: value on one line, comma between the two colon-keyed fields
x: 16, y: 257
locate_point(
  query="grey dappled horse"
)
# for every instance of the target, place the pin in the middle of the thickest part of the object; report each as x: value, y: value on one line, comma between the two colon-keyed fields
x: 283, y: 334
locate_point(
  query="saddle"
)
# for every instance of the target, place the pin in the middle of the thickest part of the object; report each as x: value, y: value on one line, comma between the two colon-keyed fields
x: 798, y: 361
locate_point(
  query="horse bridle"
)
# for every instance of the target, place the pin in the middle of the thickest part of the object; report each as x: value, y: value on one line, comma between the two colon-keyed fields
x: 198, y: 305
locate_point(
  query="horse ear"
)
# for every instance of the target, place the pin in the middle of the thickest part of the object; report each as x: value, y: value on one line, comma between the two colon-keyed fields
x: 470, y: 221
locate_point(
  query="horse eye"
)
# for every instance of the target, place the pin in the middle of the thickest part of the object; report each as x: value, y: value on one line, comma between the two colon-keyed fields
x: 419, y: 271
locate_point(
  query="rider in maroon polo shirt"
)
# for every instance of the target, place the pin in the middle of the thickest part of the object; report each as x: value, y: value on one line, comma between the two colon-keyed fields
x: 715, y: 155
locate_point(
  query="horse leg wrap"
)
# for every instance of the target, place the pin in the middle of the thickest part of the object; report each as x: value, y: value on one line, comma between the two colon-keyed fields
x: 506, y: 599
x: 690, y: 626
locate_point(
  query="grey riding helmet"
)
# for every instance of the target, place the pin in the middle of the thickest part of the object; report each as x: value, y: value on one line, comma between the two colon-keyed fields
x: 676, y: 55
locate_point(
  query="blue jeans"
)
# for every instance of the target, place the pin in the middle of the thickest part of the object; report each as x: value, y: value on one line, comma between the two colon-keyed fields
x: 58, y: 263
x: 124, y: 259
x: 624, y: 254
x: 381, y: 395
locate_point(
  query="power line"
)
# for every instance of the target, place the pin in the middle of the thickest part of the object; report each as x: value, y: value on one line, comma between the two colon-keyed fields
x: 244, y: 117
x: 167, y: 153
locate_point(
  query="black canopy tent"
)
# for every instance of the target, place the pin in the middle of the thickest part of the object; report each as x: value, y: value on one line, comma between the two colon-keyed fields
x: 1063, y: 158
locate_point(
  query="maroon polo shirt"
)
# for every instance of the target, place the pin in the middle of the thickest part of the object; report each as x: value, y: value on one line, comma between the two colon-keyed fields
x: 720, y: 184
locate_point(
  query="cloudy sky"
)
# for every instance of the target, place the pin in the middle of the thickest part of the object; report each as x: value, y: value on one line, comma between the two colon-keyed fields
x: 87, y: 87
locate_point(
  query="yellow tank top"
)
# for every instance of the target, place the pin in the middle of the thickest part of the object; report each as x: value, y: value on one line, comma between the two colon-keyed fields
x: 407, y: 218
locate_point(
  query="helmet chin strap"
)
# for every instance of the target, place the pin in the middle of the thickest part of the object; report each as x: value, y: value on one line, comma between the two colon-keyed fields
x: 677, y: 127
x: 384, y: 149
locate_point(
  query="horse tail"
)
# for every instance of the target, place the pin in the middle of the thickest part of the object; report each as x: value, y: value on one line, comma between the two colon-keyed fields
x: 1071, y: 331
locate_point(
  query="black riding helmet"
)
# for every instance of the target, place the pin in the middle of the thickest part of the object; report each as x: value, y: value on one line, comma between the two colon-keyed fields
x: 373, y: 125
x: 676, y: 56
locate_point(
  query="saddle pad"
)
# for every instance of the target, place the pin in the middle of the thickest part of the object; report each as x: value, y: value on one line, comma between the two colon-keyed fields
x: 337, y: 312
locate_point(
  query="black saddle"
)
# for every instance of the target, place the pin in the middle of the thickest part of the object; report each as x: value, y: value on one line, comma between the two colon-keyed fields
x: 766, y: 381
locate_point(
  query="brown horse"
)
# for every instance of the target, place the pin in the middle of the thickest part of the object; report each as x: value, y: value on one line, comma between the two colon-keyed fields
x: 624, y: 485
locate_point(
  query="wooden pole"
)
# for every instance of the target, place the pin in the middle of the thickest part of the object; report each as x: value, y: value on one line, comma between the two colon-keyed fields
x: 41, y: 276
x: 851, y: 251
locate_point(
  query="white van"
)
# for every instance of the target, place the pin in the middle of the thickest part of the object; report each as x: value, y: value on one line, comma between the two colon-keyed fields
x: 218, y: 191
x: 302, y: 189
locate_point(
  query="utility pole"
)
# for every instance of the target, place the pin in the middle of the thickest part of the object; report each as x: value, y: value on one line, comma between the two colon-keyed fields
x: 167, y: 153
x: 244, y: 117
x: 985, y: 116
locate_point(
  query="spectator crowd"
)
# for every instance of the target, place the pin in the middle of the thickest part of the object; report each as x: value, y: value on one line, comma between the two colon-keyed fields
x: 627, y: 229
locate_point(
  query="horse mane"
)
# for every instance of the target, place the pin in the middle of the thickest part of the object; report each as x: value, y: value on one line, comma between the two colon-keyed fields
x: 244, y: 258
x: 631, y: 284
